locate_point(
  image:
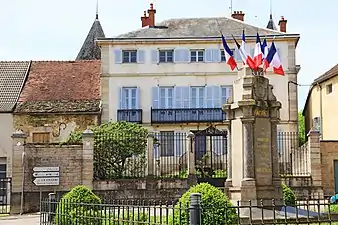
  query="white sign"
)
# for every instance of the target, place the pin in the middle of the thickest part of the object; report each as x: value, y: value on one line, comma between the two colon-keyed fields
x: 47, y: 181
x: 46, y: 169
x: 46, y: 174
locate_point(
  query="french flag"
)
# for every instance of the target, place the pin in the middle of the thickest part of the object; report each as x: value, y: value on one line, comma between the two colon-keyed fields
x: 272, y: 59
x: 228, y: 55
x: 243, y: 53
x: 265, y: 49
x: 258, y: 54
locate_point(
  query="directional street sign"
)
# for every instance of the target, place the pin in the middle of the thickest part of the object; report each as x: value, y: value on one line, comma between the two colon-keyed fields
x: 46, y: 174
x: 46, y: 169
x: 47, y: 181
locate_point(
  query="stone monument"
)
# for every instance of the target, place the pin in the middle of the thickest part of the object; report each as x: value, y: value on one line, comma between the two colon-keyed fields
x: 253, y: 115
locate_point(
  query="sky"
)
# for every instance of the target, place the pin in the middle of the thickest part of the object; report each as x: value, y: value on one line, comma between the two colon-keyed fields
x: 56, y: 29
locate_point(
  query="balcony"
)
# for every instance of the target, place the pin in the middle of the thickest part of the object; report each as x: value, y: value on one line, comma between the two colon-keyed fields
x: 187, y: 115
x: 130, y: 115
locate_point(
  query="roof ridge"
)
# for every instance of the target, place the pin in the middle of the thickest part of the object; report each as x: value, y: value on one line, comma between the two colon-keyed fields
x: 62, y: 61
x: 15, y: 61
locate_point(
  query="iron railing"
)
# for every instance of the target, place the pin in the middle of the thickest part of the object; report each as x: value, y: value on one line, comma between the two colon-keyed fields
x: 119, y: 156
x: 130, y: 115
x: 187, y: 115
x: 293, y: 159
x: 169, y: 213
x: 5, y: 191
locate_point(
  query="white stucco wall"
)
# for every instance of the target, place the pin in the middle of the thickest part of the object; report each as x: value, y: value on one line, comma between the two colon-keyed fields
x: 6, y: 131
x: 148, y: 75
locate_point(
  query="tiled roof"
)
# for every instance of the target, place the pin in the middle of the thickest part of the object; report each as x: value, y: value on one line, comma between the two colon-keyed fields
x: 12, y: 78
x: 89, y: 49
x: 59, y: 106
x: 67, y: 84
x: 198, y: 27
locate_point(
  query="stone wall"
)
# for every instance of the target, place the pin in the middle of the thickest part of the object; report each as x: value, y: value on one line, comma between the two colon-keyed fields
x: 329, y: 153
x: 59, y: 126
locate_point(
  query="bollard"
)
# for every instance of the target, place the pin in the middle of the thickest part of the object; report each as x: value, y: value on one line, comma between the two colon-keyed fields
x: 195, y: 209
x: 51, y: 207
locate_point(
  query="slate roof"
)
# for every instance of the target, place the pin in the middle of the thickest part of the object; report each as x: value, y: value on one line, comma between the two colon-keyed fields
x: 198, y: 27
x: 271, y: 24
x: 89, y: 49
x: 12, y: 78
x: 61, y: 86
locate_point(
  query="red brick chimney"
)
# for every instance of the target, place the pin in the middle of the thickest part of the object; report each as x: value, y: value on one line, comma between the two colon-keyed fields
x: 145, y: 19
x: 282, y: 24
x: 238, y: 15
x: 151, y: 13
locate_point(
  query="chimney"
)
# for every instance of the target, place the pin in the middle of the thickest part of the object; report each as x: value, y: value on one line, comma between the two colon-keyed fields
x: 151, y: 13
x: 145, y: 19
x: 282, y: 24
x: 238, y: 15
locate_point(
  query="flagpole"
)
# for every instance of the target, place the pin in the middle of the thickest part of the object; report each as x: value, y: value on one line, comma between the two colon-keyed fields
x: 219, y: 29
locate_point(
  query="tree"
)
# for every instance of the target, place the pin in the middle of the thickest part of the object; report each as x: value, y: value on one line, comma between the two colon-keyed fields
x: 119, y: 150
x: 301, y: 128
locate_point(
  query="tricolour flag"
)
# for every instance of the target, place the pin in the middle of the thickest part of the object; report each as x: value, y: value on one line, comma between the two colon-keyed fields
x: 264, y: 49
x: 228, y: 54
x: 272, y: 59
x: 243, y: 53
x: 258, y: 55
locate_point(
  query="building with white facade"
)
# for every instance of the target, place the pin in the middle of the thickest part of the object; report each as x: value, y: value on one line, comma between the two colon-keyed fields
x: 172, y: 77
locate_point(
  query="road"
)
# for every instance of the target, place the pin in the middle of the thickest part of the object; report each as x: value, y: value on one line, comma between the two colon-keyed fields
x: 20, y: 220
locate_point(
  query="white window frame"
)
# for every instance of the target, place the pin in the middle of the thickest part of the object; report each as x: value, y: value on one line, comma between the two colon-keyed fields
x: 127, y: 98
x: 167, y: 59
x: 194, y: 55
x: 199, y: 98
x: 130, y: 58
x: 166, y: 101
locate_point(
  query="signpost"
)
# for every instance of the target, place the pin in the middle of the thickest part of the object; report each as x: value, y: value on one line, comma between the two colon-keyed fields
x: 46, y: 176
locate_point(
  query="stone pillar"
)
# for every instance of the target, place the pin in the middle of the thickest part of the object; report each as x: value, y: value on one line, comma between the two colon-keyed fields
x: 315, y: 158
x: 18, y: 169
x: 248, y: 170
x: 274, y: 148
x: 150, y: 154
x: 191, y: 154
x: 88, y: 158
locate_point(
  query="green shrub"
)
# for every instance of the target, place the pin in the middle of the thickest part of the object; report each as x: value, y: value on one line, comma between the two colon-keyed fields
x: 334, y: 208
x: 79, y: 206
x: 288, y: 196
x: 127, y: 218
x: 216, y: 206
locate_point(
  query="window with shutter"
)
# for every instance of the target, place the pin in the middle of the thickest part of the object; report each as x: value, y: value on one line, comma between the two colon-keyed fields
x: 129, y: 56
x: 197, y: 97
x: 129, y: 97
x: 166, y: 56
x: 197, y: 55
x: 118, y: 56
x: 141, y: 56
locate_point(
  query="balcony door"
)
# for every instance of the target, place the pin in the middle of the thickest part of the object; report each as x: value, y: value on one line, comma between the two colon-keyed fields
x: 129, y: 98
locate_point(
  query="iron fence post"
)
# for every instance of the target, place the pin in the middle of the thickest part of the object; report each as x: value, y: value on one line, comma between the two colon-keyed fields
x: 195, y: 209
x: 51, y: 207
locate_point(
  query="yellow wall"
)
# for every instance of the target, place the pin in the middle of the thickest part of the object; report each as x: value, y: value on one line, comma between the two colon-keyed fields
x: 329, y: 121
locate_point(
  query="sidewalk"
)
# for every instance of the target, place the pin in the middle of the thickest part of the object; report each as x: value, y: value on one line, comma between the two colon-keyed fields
x: 20, y: 220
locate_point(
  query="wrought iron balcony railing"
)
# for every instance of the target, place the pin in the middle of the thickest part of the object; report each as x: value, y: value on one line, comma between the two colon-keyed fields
x: 130, y: 115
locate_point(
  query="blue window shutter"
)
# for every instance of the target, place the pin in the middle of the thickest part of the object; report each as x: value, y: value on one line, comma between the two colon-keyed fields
x: 118, y: 56
x: 178, y: 101
x: 138, y: 98
x: 186, y: 97
x: 119, y: 93
x: 141, y: 56
x: 181, y: 55
x: 179, y: 139
x: 216, y: 55
x: 228, y: 92
x: 209, y: 97
x: 155, y: 97
x: 154, y: 56
x: 208, y: 55
x: 217, y: 93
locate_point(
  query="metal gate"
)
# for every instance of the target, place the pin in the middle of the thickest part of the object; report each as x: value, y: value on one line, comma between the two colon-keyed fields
x: 5, y: 194
x: 211, y: 156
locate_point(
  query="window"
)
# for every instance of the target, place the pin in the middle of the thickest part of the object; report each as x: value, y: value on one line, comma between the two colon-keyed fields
x: 329, y: 89
x: 129, y: 56
x: 197, y: 97
x: 166, y: 55
x: 129, y: 97
x: 197, y: 55
x: 223, y: 59
x: 3, y: 171
x: 166, y: 97
x: 225, y: 94
x: 167, y: 144
x: 41, y: 137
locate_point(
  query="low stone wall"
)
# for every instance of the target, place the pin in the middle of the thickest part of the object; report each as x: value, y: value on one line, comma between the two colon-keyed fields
x: 329, y: 153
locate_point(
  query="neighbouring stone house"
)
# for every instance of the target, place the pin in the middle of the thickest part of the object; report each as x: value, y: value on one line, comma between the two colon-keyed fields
x: 12, y: 78
x: 59, y: 97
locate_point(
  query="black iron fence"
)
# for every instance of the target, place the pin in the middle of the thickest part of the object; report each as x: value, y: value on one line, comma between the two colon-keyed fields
x: 5, y: 191
x: 293, y: 157
x: 119, y: 156
x: 168, y: 213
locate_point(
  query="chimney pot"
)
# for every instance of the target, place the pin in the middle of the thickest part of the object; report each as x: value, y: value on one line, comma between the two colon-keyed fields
x: 151, y: 6
x: 282, y: 24
x: 151, y: 13
x: 238, y: 15
x: 145, y: 19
